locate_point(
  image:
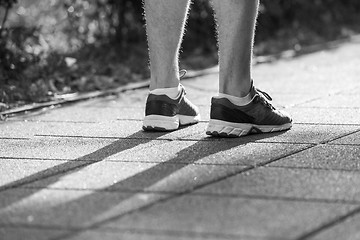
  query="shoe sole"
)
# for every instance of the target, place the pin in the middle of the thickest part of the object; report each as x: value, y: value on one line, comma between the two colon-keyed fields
x: 164, y: 124
x: 218, y: 128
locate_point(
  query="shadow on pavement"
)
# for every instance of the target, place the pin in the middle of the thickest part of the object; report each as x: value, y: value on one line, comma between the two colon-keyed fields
x: 75, y: 165
x: 167, y: 179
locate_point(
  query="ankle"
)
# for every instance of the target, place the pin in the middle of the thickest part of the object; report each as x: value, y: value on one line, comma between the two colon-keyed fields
x: 238, y: 91
x: 156, y: 84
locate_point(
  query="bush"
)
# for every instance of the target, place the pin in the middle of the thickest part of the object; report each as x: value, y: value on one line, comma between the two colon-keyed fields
x: 67, y: 53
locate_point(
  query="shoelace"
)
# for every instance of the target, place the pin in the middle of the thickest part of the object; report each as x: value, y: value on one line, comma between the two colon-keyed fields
x: 182, y: 74
x: 263, y: 96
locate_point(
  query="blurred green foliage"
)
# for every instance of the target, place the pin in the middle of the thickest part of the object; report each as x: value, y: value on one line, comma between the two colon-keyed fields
x: 62, y: 46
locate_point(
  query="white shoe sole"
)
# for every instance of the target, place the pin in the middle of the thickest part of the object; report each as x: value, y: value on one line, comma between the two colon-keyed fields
x: 163, y: 123
x: 220, y: 128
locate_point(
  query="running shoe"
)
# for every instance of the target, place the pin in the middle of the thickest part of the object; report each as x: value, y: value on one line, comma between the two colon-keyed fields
x: 163, y: 113
x: 259, y: 116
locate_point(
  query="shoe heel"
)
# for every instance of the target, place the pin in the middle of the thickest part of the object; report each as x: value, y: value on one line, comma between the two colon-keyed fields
x: 220, y: 128
x: 160, y: 123
x: 188, y: 120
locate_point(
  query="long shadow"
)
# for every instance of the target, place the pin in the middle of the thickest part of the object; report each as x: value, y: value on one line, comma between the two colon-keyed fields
x: 52, y: 175
x: 126, y: 196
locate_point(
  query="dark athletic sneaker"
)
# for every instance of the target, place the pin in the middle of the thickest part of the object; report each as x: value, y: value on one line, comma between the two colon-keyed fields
x: 259, y: 116
x: 165, y: 114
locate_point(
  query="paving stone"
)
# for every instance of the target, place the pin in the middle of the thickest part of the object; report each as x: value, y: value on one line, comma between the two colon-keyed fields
x: 347, y: 230
x: 223, y: 152
x: 255, y: 217
x: 214, y: 152
x: 80, y: 149
x: 353, y: 91
x: 324, y: 157
x: 325, y: 115
x: 17, y: 169
x: 343, y: 100
x: 311, y: 133
x: 353, y: 139
x: 142, y: 177
x: 118, y: 129
x: 287, y: 100
x: 67, y: 208
x: 18, y: 233
x: 290, y: 184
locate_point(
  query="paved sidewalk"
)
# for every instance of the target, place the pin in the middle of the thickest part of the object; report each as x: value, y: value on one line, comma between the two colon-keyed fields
x: 88, y: 171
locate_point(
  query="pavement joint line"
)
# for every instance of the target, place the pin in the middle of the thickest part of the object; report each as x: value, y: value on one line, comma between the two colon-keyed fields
x: 124, y: 161
x: 328, y: 225
x: 14, y: 138
x: 140, y: 120
x: 137, y: 231
x: 207, y: 194
x: 182, y: 139
x: 316, y: 107
x: 98, y: 137
x: 327, y: 124
x: 340, y: 136
x: 316, y: 168
x: 118, y: 107
x: 344, y: 144
x: 187, y: 234
x: 49, y: 121
x: 283, y: 142
x: 279, y: 198
x: 174, y: 163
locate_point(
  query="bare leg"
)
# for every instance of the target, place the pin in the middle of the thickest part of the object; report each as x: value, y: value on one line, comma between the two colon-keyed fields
x: 165, y: 20
x: 236, y: 24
